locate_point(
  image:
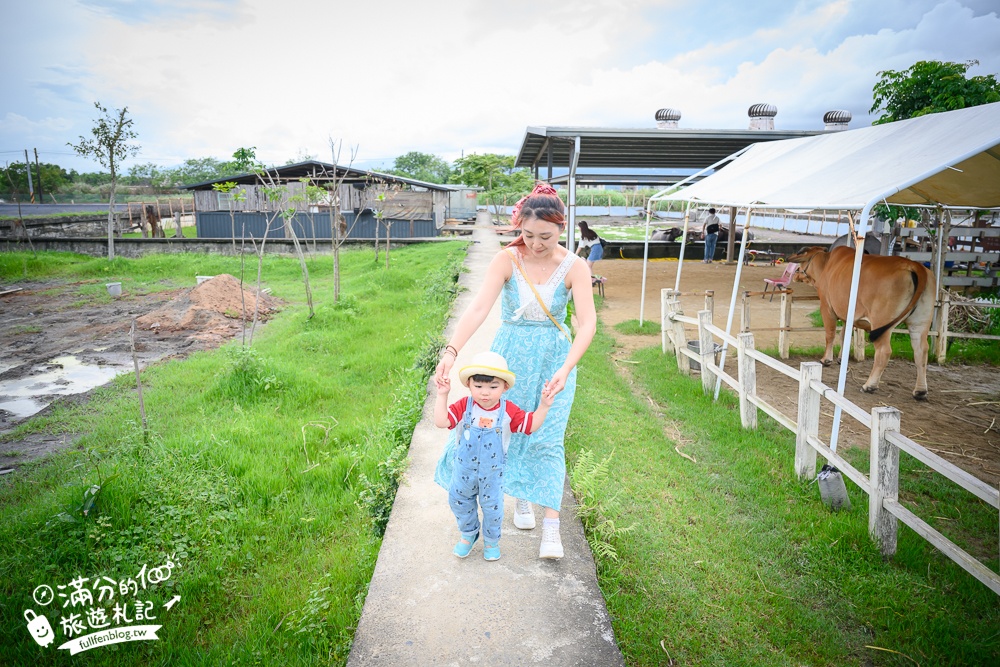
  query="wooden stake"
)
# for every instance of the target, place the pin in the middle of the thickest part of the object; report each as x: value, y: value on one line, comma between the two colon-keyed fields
x: 138, y: 382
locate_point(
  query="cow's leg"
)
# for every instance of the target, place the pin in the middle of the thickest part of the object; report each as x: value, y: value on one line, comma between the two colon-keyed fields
x: 838, y: 340
x: 919, y: 324
x: 918, y: 340
x: 830, y: 326
x: 883, y: 350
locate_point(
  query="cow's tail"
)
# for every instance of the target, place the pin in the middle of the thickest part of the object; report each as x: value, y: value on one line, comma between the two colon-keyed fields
x: 919, y: 279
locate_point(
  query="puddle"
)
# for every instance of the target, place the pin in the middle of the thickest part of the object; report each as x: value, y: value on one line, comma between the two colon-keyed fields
x: 22, y: 407
x: 62, y: 376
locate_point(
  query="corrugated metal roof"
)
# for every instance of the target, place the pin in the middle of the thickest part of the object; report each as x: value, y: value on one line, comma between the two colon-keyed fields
x: 641, y: 148
x: 320, y: 171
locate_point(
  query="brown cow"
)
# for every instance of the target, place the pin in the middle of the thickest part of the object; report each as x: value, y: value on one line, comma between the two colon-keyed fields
x: 890, y: 290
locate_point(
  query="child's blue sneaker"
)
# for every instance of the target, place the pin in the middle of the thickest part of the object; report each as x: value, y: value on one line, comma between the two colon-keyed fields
x: 491, y: 551
x: 464, y: 546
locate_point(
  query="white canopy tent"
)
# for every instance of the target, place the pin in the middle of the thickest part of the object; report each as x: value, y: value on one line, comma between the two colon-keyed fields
x: 949, y: 159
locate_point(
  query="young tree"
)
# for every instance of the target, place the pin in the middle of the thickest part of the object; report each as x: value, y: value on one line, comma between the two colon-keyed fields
x: 109, y: 146
x: 279, y: 196
x: 235, y: 194
x: 310, y: 197
x: 931, y: 87
x: 378, y: 194
x: 338, y: 224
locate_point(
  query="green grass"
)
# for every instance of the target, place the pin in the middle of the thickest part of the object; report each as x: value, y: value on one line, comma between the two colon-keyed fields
x: 46, y: 216
x: 633, y: 232
x: 152, y: 273
x: 733, y: 561
x: 190, y: 232
x: 266, y: 478
x: 632, y: 327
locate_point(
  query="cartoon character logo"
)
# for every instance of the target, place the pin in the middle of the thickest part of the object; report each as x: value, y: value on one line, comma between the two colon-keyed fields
x: 39, y: 628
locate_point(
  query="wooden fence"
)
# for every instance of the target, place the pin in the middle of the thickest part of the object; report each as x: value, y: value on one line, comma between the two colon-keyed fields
x: 882, y: 483
x: 944, y: 306
x: 165, y: 207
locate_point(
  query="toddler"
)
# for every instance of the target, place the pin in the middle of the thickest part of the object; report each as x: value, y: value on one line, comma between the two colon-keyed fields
x: 486, y: 419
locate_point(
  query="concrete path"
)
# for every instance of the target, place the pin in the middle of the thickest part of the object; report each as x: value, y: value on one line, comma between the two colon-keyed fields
x: 427, y: 607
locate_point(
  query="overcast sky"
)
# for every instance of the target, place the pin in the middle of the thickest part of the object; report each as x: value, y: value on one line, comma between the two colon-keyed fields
x: 205, y: 77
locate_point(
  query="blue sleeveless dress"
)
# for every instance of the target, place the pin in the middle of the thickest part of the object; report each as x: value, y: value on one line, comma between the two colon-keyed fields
x: 534, y: 349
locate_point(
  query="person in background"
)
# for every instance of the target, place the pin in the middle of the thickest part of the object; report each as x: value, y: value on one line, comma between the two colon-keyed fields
x: 711, y: 235
x: 591, y: 246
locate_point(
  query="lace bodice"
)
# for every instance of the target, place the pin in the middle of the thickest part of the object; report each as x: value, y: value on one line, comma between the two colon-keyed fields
x: 553, y: 292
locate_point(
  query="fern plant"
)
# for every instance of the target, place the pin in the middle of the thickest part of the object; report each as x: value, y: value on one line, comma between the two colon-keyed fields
x: 589, y: 479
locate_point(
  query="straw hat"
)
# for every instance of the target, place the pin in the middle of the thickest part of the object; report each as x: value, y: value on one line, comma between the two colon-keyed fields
x: 487, y: 363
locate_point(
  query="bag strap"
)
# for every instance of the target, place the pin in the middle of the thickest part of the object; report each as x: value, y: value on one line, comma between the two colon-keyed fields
x: 537, y: 295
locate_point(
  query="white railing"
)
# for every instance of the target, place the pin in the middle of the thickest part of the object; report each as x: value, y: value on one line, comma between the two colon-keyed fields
x: 882, y: 483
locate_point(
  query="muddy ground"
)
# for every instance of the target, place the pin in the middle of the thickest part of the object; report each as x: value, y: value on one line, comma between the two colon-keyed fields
x: 58, y: 343
x: 960, y: 421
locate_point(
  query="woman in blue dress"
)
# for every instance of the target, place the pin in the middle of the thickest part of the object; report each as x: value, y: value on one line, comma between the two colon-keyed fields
x: 531, y: 271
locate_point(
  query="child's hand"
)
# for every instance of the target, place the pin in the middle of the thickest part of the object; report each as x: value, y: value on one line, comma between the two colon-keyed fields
x: 443, y: 386
x: 548, y: 396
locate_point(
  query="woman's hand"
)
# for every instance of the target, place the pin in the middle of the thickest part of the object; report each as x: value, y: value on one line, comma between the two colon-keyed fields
x: 557, y: 383
x: 443, y: 371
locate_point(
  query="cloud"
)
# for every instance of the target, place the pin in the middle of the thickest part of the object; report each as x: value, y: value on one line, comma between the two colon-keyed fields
x: 202, y: 79
x: 138, y: 12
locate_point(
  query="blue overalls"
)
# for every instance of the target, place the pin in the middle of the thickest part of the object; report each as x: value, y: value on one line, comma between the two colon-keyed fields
x: 479, y: 462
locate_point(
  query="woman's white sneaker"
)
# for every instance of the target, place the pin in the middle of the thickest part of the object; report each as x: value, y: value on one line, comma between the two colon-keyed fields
x: 524, y: 516
x: 551, y: 546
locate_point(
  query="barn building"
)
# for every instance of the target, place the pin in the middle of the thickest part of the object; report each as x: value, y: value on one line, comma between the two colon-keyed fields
x: 415, y: 209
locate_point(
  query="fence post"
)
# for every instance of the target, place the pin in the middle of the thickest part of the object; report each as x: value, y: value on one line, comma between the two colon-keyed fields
x: 745, y: 313
x: 808, y: 419
x: 710, y: 303
x: 884, y: 473
x: 748, y: 380
x: 706, y: 347
x: 665, y: 320
x: 858, y: 343
x: 177, y: 224
x: 784, y: 323
x: 942, y: 337
x: 680, y: 343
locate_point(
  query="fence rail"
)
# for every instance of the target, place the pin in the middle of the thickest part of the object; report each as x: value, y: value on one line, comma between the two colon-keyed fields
x: 939, y: 332
x: 881, y: 484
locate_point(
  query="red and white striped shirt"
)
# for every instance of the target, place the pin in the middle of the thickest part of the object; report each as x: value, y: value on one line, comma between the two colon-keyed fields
x: 515, y: 420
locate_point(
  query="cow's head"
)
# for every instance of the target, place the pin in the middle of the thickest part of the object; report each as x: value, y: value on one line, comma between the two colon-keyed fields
x: 804, y: 258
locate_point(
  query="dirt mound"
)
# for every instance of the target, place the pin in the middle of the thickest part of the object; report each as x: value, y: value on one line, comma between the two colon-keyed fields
x: 214, y: 309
